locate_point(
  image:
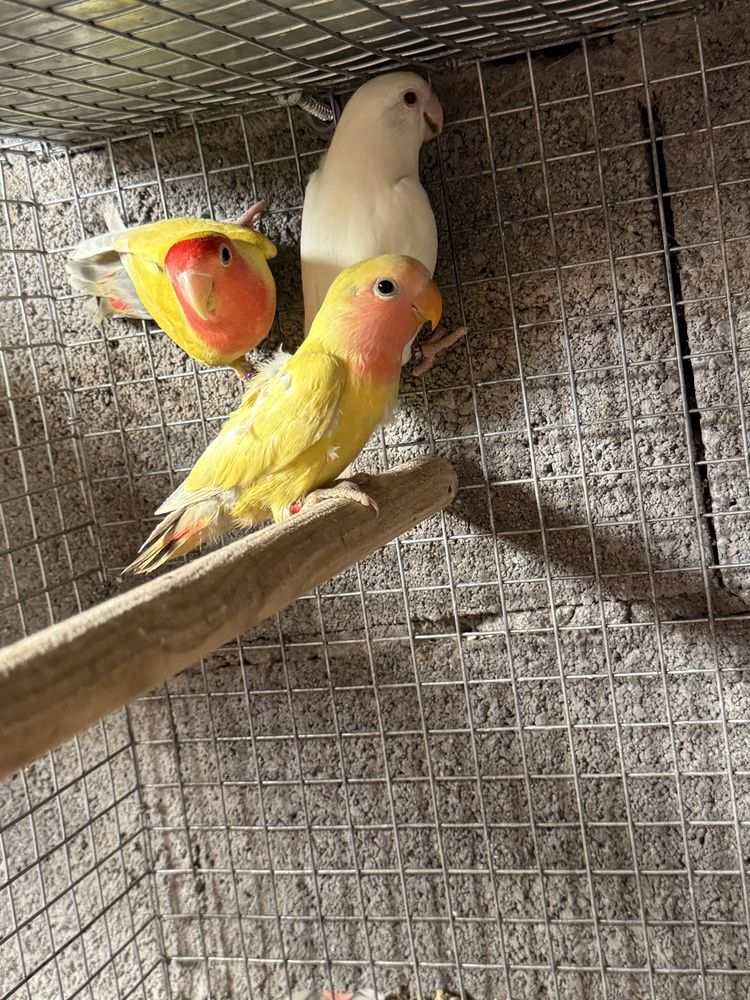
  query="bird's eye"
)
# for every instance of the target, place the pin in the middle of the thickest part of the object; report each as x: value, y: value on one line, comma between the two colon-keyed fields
x: 226, y: 255
x: 410, y: 98
x: 386, y: 288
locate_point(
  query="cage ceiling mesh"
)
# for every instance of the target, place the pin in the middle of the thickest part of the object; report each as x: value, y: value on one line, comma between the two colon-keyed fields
x: 508, y: 756
x: 76, y: 69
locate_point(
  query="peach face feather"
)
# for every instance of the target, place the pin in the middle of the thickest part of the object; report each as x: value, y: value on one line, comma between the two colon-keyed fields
x: 223, y: 296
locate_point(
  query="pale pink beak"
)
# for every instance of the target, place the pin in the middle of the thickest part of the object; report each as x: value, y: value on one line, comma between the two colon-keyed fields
x: 433, y: 116
x: 197, y: 289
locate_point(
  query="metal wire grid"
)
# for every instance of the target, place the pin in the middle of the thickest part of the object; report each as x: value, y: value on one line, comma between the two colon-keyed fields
x: 77, y: 916
x: 444, y: 781
x: 67, y: 70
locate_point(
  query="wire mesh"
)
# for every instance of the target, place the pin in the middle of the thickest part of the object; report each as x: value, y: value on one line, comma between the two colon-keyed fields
x: 508, y: 755
x: 70, y: 70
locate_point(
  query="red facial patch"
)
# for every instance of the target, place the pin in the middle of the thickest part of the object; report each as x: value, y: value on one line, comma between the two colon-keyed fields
x: 381, y: 328
x: 192, y: 253
x: 241, y: 303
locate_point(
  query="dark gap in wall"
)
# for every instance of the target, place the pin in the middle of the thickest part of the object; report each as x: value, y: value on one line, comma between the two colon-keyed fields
x: 550, y: 52
x: 658, y: 171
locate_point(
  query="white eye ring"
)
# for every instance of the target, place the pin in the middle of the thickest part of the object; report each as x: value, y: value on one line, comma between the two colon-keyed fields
x: 386, y: 288
x: 225, y: 255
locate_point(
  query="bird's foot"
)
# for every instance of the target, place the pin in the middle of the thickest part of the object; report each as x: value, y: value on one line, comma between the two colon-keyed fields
x: 423, y: 354
x: 252, y: 215
x: 344, y: 488
x: 244, y: 370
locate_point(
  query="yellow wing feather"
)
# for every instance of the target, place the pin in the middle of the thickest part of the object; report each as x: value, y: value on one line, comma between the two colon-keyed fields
x: 284, y: 415
x: 152, y: 241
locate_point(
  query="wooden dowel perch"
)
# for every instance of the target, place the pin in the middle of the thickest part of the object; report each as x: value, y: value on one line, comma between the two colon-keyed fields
x: 68, y: 676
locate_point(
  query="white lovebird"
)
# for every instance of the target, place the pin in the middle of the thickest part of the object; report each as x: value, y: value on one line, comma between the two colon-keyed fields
x: 366, y: 199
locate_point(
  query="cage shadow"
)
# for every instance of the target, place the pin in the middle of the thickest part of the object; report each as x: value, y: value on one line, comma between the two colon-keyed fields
x: 537, y: 540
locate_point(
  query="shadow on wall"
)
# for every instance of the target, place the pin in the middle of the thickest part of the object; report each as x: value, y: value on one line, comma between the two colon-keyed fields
x: 128, y: 481
x: 664, y: 567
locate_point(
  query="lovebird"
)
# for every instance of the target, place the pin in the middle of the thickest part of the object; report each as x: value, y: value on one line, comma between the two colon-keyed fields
x: 207, y: 284
x: 305, y: 417
x: 366, y: 198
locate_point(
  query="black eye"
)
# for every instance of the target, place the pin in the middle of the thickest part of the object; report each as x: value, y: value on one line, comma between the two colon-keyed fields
x: 410, y: 98
x: 226, y: 255
x: 386, y: 288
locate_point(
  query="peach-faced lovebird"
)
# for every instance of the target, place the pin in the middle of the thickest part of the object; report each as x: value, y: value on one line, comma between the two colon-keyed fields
x: 207, y: 284
x: 366, y: 198
x: 305, y: 416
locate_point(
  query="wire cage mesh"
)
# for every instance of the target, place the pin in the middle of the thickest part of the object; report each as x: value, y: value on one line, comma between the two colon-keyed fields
x: 508, y: 755
x: 78, y: 68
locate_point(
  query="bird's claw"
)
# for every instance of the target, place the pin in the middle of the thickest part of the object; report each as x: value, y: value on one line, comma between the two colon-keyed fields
x: 252, y: 215
x: 245, y: 369
x: 343, y: 489
x: 423, y: 354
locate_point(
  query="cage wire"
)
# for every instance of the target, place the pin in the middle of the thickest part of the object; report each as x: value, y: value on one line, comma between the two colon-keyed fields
x: 508, y: 755
x: 76, y: 68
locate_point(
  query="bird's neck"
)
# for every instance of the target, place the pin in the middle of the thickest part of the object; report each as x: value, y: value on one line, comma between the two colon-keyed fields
x: 367, y: 358
x: 378, y: 367
x: 360, y: 153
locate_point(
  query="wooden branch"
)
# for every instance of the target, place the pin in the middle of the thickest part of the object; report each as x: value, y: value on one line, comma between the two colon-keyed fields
x: 66, y: 677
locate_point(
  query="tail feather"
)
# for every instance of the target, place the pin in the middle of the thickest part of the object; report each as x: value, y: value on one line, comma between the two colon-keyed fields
x: 96, y: 268
x: 178, y: 533
x: 112, y: 218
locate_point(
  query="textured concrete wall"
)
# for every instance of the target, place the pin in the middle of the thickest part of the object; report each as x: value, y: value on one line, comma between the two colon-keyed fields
x: 292, y: 776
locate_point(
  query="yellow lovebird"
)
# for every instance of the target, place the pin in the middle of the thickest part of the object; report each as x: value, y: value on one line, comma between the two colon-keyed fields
x: 307, y: 416
x: 206, y: 283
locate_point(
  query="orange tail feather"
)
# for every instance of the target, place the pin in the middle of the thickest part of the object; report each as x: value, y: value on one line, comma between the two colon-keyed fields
x: 172, y: 537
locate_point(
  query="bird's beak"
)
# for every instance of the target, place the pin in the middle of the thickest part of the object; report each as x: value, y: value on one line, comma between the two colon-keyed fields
x: 428, y: 304
x: 433, y: 115
x: 197, y: 289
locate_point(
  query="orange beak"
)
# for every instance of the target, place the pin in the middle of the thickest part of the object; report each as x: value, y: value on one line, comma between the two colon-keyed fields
x: 428, y: 304
x: 197, y: 289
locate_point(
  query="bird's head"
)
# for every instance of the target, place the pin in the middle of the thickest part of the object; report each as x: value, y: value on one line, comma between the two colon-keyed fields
x: 396, y: 111
x: 223, y: 286
x: 374, y: 310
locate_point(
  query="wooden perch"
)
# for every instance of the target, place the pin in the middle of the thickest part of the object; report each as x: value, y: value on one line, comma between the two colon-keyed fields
x: 66, y: 677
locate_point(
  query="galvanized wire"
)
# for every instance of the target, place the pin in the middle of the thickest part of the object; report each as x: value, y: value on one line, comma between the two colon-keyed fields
x: 67, y: 72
